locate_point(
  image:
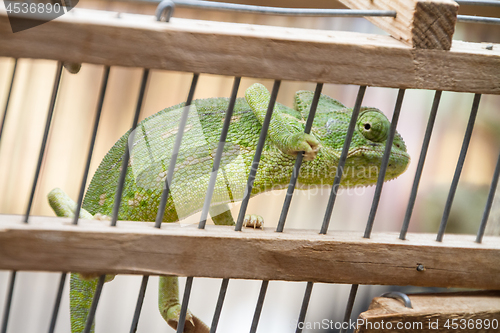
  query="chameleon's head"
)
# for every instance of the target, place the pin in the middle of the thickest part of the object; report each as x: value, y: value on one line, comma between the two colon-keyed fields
x: 368, y: 142
x: 367, y: 146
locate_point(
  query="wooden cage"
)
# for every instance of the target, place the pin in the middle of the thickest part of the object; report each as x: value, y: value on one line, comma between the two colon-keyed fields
x: 419, y: 54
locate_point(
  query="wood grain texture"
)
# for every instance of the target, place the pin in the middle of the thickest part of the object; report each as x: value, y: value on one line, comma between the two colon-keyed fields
x: 254, y: 51
x: 53, y: 244
x: 463, y: 312
x: 422, y: 24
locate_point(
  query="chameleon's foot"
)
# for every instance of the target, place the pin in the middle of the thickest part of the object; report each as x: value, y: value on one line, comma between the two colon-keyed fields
x: 306, y: 143
x: 253, y: 221
x: 92, y: 276
x: 102, y: 217
x: 192, y: 324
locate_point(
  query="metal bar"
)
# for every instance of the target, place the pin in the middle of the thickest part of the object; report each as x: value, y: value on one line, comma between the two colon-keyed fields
x: 126, y: 154
x: 184, y: 306
x: 282, y: 11
x: 298, y: 160
x: 100, y: 103
x: 258, y: 308
x: 57, y: 303
x: 95, y: 302
x: 305, y: 304
x: 10, y: 293
x: 478, y: 19
x: 161, y: 210
x: 489, y: 202
x: 52, y: 104
x: 8, y: 99
x: 164, y: 197
x: 8, y: 302
x: 349, y: 306
x: 479, y: 2
x: 383, y: 165
x: 342, y: 160
x: 458, y: 169
x: 420, y: 165
x: 399, y: 296
x: 165, y: 10
x: 138, y: 307
x: 218, y: 154
x: 220, y: 303
x: 258, y: 152
x: 175, y: 152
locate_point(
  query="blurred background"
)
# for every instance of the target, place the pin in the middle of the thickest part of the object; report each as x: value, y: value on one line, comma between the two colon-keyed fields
x: 70, y: 135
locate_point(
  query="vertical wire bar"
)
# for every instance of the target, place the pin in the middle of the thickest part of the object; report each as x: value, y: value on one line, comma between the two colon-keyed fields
x: 384, y: 164
x: 258, y: 308
x: 93, y: 307
x: 489, y: 202
x: 258, y: 152
x: 164, y: 197
x: 163, y: 201
x: 8, y: 302
x: 349, y: 306
x: 184, y: 306
x: 458, y: 169
x: 138, y: 306
x: 298, y: 160
x: 220, y: 303
x: 305, y: 305
x: 52, y: 104
x: 100, y: 103
x: 2, y: 124
x: 218, y: 154
x: 420, y: 166
x: 82, y: 188
x: 57, y: 303
x: 175, y: 152
x: 342, y: 159
x: 10, y: 293
x: 118, y: 197
x: 126, y: 154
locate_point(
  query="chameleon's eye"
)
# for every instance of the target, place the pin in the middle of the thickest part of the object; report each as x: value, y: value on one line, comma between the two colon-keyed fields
x: 374, y: 126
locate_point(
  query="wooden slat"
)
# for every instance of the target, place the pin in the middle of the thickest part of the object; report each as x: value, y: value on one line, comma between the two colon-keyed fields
x: 444, y: 312
x: 53, y: 244
x: 255, y: 51
x: 423, y: 24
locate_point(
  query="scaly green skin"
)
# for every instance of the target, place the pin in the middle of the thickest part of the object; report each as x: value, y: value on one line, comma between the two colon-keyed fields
x: 152, y: 147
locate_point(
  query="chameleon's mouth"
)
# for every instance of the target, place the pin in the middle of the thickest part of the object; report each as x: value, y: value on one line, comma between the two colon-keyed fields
x: 378, y: 152
x: 368, y: 161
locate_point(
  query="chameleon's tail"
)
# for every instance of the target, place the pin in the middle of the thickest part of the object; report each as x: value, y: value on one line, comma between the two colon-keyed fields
x: 81, y: 290
x: 80, y: 300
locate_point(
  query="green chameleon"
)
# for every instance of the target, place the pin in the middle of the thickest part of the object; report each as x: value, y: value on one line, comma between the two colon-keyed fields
x: 151, y: 148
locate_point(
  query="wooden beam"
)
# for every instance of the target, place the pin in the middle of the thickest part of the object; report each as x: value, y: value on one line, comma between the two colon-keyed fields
x: 422, y: 24
x: 254, y: 51
x: 443, y: 312
x: 53, y: 244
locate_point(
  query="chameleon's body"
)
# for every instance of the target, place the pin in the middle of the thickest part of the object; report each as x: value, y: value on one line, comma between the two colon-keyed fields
x: 152, y: 147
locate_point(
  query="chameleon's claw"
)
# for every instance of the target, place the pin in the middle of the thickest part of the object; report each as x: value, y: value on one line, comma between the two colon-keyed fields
x: 192, y: 324
x: 306, y: 143
x: 253, y: 221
